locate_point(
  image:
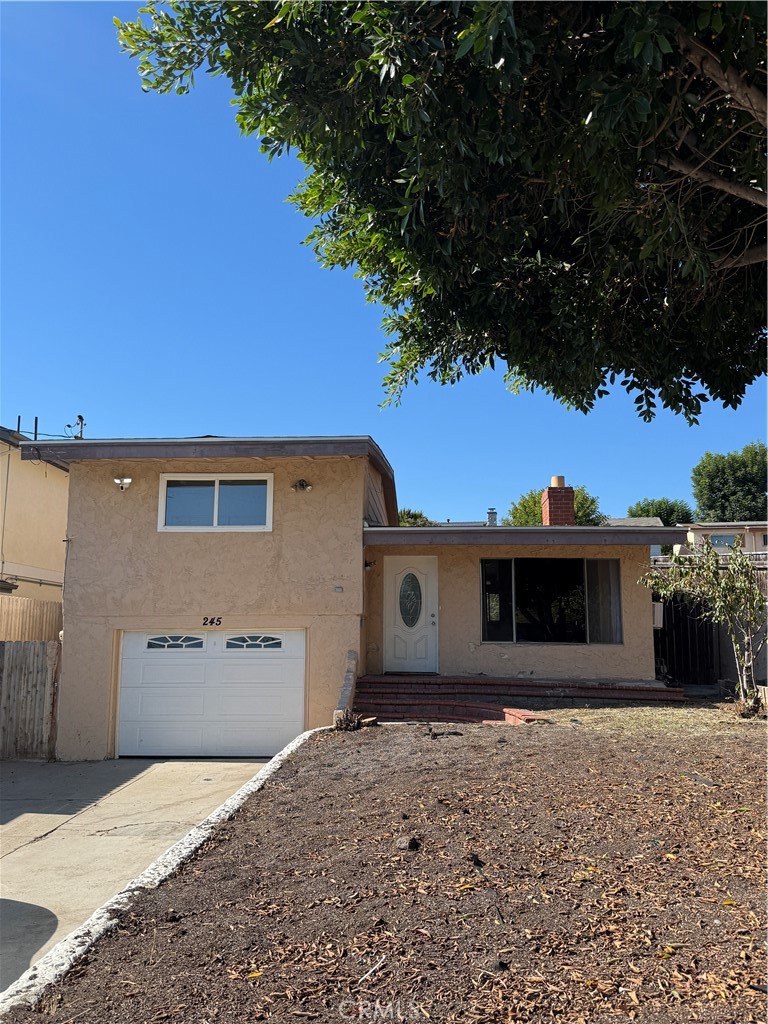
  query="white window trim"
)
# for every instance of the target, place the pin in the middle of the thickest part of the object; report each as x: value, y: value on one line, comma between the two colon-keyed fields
x: 216, y: 477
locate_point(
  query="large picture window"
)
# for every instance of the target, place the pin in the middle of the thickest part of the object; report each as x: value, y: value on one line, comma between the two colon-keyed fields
x: 199, y: 502
x: 551, y: 600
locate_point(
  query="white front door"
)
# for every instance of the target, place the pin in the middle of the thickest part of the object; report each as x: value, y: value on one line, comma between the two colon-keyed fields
x: 410, y: 613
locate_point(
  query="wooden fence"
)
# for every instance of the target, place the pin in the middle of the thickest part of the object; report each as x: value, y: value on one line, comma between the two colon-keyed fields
x: 24, y: 618
x: 29, y: 677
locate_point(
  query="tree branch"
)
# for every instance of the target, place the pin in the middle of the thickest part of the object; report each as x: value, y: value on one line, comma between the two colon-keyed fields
x: 757, y: 254
x: 747, y: 97
x: 734, y: 188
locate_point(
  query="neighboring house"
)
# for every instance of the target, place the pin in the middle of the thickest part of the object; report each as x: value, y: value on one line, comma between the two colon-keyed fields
x: 214, y: 587
x: 638, y: 521
x: 33, y: 521
x: 753, y: 535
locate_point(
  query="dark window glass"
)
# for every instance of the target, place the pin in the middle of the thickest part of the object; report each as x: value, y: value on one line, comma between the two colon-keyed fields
x: 410, y: 600
x: 189, y: 502
x: 242, y: 503
x: 549, y: 600
x: 497, y: 599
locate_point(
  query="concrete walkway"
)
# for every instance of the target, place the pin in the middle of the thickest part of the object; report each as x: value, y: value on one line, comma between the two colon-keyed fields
x: 74, y: 834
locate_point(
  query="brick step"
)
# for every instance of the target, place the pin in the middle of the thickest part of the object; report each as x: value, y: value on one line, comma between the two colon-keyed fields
x: 443, y: 711
x: 505, y: 695
x: 502, y: 695
x: 495, y: 688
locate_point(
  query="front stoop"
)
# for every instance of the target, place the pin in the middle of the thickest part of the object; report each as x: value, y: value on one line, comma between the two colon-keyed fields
x: 481, y: 698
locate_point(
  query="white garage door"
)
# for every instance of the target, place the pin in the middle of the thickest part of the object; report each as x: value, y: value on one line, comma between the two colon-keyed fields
x: 210, y: 693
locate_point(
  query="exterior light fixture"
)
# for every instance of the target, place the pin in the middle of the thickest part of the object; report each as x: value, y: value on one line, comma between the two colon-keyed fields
x: 123, y: 482
x: 301, y: 485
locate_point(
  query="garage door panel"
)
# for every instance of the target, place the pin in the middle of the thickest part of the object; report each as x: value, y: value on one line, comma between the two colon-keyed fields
x: 210, y: 700
x: 154, y: 673
x: 171, y: 704
x: 170, y: 739
x: 275, y: 706
x: 258, y: 672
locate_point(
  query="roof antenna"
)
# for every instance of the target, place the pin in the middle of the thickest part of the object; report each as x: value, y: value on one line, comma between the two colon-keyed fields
x: 79, y: 423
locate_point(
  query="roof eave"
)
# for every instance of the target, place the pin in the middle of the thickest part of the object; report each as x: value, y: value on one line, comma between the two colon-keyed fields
x: 510, y: 536
x: 63, y: 453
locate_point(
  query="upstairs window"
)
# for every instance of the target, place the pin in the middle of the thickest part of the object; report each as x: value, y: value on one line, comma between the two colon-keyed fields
x: 198, y: 502
x: 722, y: 540
x: 551, y: 600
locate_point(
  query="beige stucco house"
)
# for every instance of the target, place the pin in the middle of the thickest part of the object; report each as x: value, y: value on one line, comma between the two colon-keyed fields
x: 33, y: 519
x: 753, y: 535
x: 214, y: 587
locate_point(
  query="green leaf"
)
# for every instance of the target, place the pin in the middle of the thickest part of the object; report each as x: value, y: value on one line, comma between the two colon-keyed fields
x: 408, y: 79
x: 663, y: 44
x: 466, y: 45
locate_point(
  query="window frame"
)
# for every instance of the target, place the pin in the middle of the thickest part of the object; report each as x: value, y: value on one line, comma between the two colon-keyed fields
x: 551, y: 643
x: 166, y: 478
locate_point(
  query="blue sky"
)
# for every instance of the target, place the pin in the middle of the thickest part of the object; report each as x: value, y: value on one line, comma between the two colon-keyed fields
x: 153, y: 280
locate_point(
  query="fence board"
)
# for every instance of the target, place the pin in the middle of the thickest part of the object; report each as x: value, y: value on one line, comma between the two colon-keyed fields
x: 24, y: 618
x: 29, y: 675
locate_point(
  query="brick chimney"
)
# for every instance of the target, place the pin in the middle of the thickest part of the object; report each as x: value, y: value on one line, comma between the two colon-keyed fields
x: 557, y: 508
x: 492, y: 520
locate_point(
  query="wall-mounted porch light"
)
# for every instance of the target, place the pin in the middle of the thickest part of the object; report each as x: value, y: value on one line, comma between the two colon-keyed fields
x: 123, y: 482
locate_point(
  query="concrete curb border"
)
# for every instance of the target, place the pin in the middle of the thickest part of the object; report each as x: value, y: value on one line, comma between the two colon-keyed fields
x: 27, y: 989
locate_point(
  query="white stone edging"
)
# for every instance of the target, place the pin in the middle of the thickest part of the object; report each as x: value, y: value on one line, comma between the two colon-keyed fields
x: 348, y: 686
x: 52, y: 967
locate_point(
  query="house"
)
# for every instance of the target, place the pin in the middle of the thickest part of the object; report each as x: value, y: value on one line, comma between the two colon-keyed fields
x: 215, y: 585
x: 753, y: 535
x: 33, y: 521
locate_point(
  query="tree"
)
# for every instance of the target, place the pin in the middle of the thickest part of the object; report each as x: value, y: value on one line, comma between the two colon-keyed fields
x: 724, y: 591
x: 413, y: 517
x: 670, y: 511
x: 526, y: 511
x: 573, y: 191
x: 731, y: 488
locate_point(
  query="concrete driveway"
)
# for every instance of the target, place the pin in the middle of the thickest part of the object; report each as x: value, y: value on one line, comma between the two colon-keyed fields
x: 72, y: 835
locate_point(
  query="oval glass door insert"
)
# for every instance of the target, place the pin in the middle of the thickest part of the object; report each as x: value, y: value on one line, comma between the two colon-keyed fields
x: 410, y: 600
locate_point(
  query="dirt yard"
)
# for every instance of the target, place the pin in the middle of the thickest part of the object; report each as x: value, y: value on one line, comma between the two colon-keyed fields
x: 595, y: 870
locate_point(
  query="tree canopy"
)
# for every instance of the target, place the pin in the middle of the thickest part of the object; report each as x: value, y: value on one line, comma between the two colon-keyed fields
x: 732, y: 487
x: 413, y: 517
x: 670, y: 511
x: 574, y: 191
x: 526, y: 511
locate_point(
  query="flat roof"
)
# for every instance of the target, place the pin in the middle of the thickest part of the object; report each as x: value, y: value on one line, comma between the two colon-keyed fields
x: 747, y: 522
x: 74, y: 450
x: 65, y: 452
x: 15, y: 440
x: 593, y: 536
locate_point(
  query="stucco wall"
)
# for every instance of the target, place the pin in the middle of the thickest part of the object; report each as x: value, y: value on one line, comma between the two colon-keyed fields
x: 123, y: 574
x: 33, y: 523
x: 461, y: 647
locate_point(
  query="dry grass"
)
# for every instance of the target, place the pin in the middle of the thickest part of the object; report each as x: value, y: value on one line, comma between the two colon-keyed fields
x: 710, y: 718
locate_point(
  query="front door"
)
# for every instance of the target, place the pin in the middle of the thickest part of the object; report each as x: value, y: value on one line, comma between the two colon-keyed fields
x: 410, y: 613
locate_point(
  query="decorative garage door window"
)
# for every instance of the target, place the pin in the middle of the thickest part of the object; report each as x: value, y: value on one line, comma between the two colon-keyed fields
x: 175, y: 641
x: 410, y: 600
x: 254, y: 642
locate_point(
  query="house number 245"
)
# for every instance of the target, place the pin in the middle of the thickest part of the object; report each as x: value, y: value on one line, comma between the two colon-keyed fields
x: 212, y: 620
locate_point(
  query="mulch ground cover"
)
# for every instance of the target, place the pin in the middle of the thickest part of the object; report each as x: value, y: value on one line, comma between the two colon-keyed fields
x: 463, y: 873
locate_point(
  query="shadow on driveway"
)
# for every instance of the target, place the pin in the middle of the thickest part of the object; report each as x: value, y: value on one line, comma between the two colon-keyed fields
x: 26, y: 927
x: 63, y: 788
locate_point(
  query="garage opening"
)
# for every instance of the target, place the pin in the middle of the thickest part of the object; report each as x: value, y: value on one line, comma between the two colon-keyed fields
x: 210, y: 693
